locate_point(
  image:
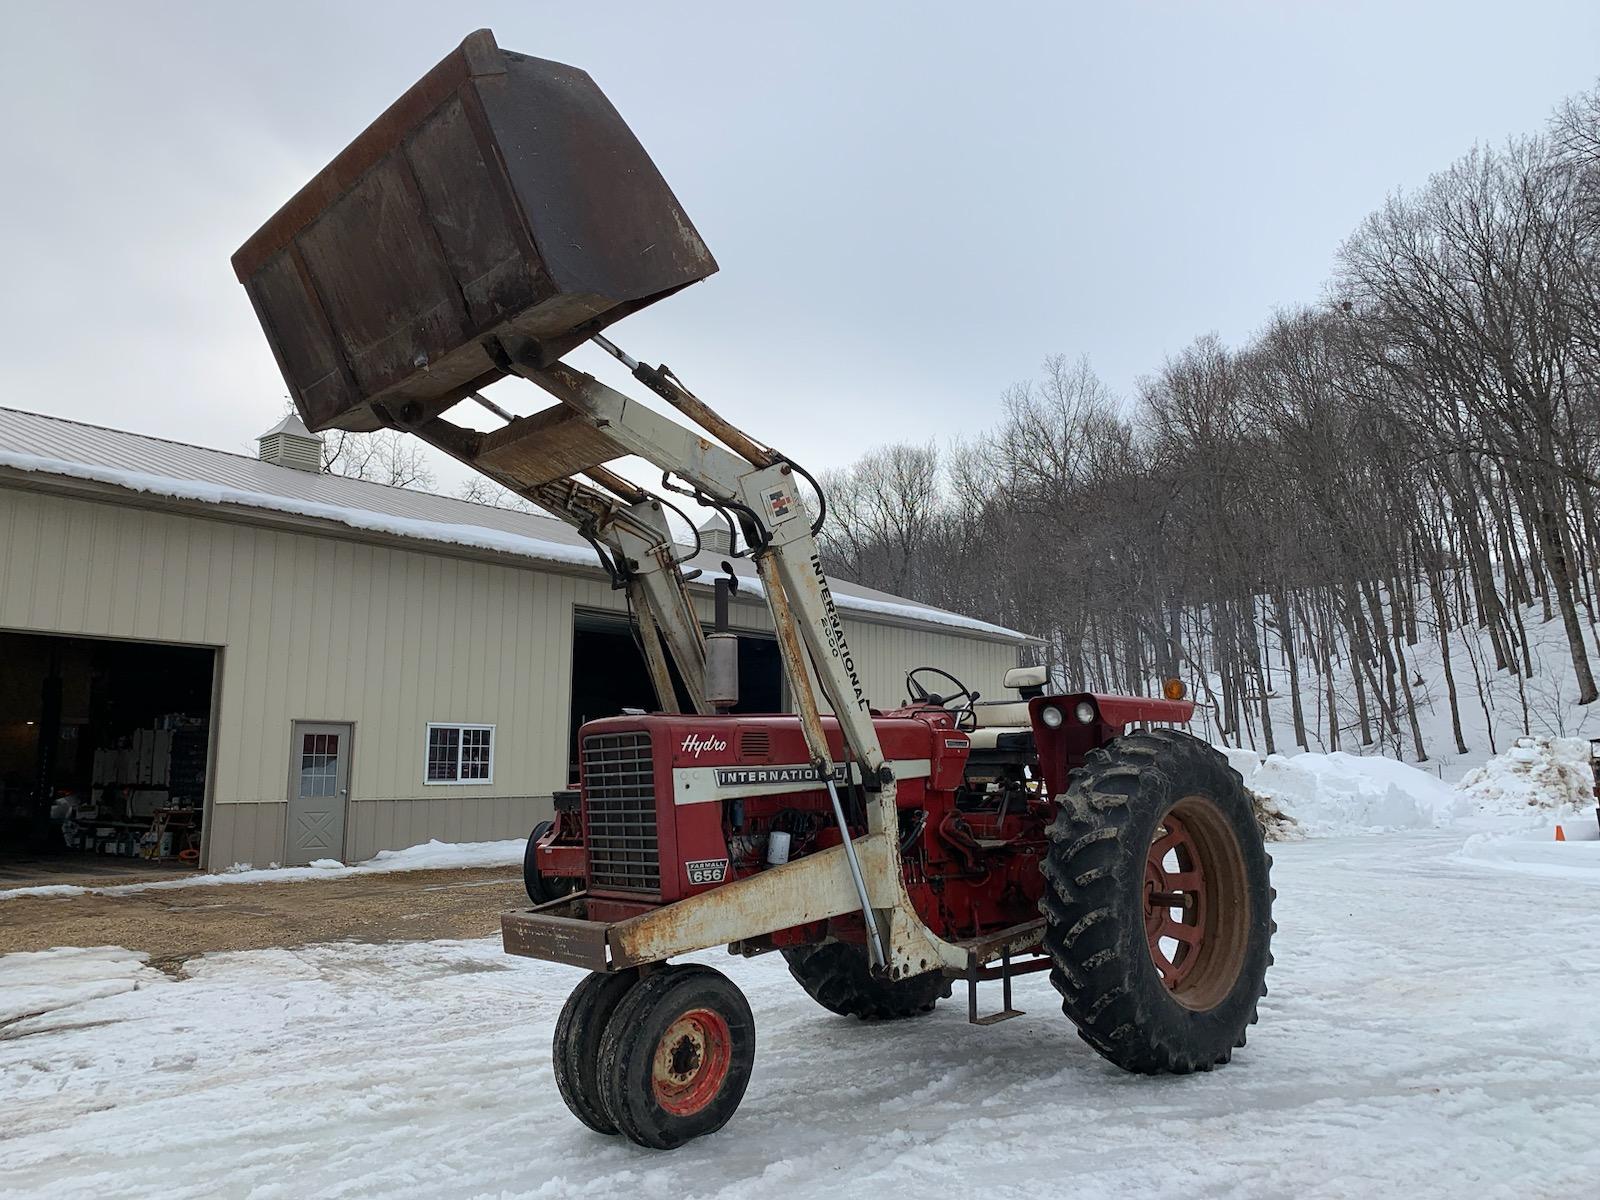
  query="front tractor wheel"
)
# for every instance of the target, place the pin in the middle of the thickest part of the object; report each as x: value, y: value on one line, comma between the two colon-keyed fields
x: 542, y: 888
x: 1158, y: 904
x: 575, y: 1053
x: 676, y: 1056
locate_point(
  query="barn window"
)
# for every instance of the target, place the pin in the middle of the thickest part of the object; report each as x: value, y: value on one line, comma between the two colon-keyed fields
x: 460, y: 754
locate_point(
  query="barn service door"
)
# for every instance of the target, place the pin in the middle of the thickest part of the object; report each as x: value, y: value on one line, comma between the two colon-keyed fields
x: 319, y: 788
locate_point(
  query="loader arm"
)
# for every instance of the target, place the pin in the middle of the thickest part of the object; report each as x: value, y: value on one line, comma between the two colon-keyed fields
x: 631, y: 537
x: 540, y: 456
x: 498, y: 215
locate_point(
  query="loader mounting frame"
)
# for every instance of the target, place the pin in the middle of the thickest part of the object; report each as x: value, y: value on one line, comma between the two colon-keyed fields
x: 596, y: 422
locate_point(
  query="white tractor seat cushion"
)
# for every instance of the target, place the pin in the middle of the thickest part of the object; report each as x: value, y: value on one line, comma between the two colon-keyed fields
x: 987, y: 737
x: 1010, y: 713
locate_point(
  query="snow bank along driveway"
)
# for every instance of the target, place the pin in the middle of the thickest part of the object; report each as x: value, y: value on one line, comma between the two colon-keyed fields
x: 432, y: 855
x: 1431, y: 1031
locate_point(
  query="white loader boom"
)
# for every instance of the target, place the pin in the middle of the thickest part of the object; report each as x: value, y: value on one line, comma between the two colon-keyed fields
x: 540, y: 458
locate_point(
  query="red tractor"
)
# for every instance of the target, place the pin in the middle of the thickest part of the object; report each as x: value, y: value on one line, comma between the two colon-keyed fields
x: 1071, y: 833
x: 498, y: 215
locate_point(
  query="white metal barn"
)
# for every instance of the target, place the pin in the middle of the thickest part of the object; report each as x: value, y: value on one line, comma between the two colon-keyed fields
x: 236, y: 659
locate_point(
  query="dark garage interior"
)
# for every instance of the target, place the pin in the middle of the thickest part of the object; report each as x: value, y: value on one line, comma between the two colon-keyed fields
x: 609, y: 675
x: 104, y: 747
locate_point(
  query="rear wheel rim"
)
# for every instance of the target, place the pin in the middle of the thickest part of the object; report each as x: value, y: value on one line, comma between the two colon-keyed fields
x: 1196, y: 903
x: 691, y: 1062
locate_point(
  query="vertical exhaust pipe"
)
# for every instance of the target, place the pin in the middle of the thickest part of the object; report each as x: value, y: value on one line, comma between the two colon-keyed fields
x: 722, y: 651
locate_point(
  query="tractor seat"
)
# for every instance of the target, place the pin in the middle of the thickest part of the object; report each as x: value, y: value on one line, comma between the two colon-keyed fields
x: 998, y: 723
x: 1010, y: 713
x: 1001, y: 737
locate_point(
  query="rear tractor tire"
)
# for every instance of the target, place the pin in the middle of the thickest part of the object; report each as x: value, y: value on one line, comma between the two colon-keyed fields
x: 542, y: 888
x: 1158, y: 904
x: 835, y: 975
x: 676, y: 1056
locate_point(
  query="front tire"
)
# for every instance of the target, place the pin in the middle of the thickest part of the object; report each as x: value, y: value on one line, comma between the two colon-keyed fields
x: 676, y: 1056
x: 575, y: 1052
x: 835, y: 975
x: 542, y: 888
x: 1158, y: 904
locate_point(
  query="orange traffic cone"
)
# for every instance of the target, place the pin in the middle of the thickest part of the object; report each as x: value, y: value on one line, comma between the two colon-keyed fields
x: 1561, y: 834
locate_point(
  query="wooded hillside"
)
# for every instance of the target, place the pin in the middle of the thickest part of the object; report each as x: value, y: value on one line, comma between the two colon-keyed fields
x: 1413, y: 458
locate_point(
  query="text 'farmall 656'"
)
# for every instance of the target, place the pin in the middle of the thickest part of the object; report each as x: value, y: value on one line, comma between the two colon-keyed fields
x: 496, y: 216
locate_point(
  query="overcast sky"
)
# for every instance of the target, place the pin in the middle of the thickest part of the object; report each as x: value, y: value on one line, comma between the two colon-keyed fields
x: 912, y: 205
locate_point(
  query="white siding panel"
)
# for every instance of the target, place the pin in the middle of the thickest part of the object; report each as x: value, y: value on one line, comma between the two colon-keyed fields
x: 331, y: 628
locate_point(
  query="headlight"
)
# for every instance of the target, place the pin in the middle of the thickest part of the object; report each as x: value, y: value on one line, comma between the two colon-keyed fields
x: 1084, y: 712
x: 1051, y: 716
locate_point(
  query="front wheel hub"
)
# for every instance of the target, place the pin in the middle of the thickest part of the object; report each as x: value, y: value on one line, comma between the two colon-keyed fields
x: 691, y: 1062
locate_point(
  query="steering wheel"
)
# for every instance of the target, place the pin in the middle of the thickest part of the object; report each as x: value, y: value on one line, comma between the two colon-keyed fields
x: 922, y: 695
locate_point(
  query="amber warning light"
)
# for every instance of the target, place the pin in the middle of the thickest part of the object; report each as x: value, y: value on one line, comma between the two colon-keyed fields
x: 1173, y: 689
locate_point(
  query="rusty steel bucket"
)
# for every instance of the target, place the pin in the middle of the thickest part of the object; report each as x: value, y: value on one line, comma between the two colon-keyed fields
x: 500, y: 209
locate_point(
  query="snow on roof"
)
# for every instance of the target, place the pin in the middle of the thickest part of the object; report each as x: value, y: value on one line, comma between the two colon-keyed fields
x: 156, y: 466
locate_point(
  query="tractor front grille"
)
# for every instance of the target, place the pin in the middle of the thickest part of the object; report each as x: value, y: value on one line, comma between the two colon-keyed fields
x: 619, y: 792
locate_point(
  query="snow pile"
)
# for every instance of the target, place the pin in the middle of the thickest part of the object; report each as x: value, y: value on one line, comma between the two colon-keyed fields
x: 1543, y: 776
x: 1540, y: 784
x: 445, y: 856
x: 1329, y: 795
x: 1246, y: 762
x: 430, y: 856
x: 1276, y: 825
x: 45, y: 980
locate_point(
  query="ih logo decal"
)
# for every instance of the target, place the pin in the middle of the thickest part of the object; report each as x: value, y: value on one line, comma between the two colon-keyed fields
x: 780, y: 504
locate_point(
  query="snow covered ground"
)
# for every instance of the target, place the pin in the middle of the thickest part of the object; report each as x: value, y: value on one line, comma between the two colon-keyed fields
x: 429, y: 856
x: 1535, y: 852
x: 1430, y: 1032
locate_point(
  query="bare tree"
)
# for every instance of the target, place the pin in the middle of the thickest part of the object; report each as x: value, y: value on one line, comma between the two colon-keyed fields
x: 881, y: 510
x: 387, y: 456
x: 1469, y: 288
x: 1414, y: 463
x: 482, y: 490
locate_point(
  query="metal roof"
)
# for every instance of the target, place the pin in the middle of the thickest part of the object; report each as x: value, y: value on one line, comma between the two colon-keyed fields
x: 57, y: 446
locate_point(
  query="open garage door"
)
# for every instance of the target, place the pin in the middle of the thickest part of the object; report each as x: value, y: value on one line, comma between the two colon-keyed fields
x: 609, y: 675
x: 104, y: 750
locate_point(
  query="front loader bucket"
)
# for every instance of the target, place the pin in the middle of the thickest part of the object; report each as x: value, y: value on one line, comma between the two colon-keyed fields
x: 500, y: 208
